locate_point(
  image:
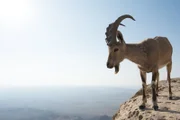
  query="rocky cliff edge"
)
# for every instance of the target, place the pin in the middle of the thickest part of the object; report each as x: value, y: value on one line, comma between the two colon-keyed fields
x: 168, y: 109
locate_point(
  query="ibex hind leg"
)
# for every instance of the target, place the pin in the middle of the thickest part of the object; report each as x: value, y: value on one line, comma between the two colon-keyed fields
x: 169, y: 68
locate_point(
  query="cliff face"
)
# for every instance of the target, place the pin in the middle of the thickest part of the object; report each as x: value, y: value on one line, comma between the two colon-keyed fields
x: 168, y: 109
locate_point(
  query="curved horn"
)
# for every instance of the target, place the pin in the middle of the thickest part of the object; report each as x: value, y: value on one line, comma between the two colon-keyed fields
x: 112, y: 28
x: 120, y: 19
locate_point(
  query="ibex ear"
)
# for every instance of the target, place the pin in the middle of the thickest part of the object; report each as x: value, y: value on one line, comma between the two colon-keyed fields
x: 120, y: 37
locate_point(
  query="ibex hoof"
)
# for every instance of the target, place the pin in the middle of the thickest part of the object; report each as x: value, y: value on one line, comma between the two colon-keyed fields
x: 170, y: 98
x: 155, y: 107
x: 142, y: 107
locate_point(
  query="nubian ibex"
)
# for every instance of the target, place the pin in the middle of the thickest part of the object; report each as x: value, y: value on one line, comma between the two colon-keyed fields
x: 150, y: 55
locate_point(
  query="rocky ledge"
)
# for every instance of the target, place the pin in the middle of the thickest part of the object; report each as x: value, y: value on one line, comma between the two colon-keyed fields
x: 168, y: 109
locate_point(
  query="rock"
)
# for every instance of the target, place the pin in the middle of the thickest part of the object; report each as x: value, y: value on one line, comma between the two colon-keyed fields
x: 168, y: 109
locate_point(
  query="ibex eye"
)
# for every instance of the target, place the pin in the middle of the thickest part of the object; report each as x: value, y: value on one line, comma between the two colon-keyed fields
x: 116, y: 49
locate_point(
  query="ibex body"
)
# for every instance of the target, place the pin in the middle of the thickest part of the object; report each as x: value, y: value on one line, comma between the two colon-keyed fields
x: 150, y: 55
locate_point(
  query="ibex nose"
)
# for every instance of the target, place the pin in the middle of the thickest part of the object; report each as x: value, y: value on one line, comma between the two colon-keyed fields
x: 108, y: 65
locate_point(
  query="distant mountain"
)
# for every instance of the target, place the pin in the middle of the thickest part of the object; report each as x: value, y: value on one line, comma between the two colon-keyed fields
x: 67, y: 100
x: 103, y: 117
x: 26, y: 114
x: 61, y: 103
x: 36, y: 114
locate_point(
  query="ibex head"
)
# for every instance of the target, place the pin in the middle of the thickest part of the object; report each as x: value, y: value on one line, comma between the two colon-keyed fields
x: 116, y: 48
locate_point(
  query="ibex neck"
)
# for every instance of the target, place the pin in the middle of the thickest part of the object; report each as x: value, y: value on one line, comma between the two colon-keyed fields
x: 135, y: 53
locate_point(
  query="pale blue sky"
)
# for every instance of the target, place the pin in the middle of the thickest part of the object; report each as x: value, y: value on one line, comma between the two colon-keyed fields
x: 62, y: 42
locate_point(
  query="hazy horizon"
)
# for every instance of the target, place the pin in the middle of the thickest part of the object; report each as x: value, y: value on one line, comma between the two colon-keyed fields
x: 82, y: 101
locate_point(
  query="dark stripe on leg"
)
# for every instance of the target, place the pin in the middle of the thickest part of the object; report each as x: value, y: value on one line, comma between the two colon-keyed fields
x: 153, y: 85
x: 169, y: 81
x: 169, y: 67
x: 157, y: 85
x: 143, y: 78
x: 144, y: 99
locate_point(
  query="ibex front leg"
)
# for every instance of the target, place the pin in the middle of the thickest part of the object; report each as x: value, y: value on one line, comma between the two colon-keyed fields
x: 157, y: 84
x: 144, y: 99
x: 153, y: 85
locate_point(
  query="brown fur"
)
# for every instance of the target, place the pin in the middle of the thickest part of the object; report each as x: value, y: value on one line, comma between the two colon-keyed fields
x: 150, y: 55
